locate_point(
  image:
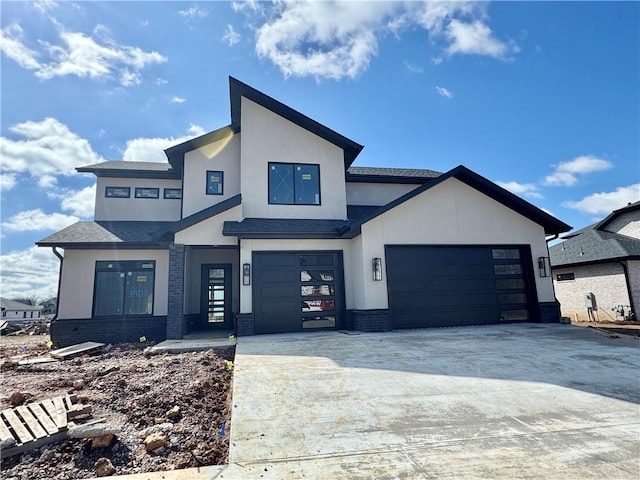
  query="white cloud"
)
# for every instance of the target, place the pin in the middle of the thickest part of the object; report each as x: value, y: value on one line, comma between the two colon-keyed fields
x: 80, y: 202
x: 339, y: 39
x: 33, y: 271
x: 527, y: 189
x: 606, y: 202
x: 7, y: 181
x: 444, y: 92
x: 36, y: 220
x: 231, y: 36
x: 413, y: 68
x: 46, y: 150
x: 567, y: 173
x: 79, y: 54
x: 193, y: 13
x: 475, y: 38
x: 177, y: 99
x: 152, y: 149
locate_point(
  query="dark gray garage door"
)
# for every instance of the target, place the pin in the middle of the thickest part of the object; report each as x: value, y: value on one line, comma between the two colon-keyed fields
x: 295, y: 291
x: 432, y: 286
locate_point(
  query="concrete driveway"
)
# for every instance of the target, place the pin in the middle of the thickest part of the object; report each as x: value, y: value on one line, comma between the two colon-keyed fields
x: 508, y: 401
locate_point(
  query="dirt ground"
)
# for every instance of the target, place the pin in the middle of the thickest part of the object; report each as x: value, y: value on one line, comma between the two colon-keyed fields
x: 133, y: 392
x: 614, y: 328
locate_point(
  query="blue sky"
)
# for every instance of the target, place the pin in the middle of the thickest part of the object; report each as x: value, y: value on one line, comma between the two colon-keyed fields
x: 541, y: 97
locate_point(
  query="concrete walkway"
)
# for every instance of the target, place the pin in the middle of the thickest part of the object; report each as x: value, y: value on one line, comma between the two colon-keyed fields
x: 496, y: 402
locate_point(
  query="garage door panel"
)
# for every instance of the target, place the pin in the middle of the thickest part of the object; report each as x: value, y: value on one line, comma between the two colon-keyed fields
x: 456, y: 285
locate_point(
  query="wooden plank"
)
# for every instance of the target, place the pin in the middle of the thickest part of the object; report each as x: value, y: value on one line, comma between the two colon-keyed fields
x: 7, y: 452
x: 6, y: 439
x: 21, y: 432
x: 61, y: 412
x: 32, y: 422
x: 73, y: 350
x: 44, y: 419
x: 50, y: 408
x: 78, y: 410
x: 37, y: 360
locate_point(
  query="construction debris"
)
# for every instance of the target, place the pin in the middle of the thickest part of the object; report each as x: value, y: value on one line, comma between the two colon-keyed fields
x: 78, y: 349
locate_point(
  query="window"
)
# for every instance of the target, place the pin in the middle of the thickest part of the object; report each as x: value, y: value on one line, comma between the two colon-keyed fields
x: 563, y: 277
x: 143, y: 192
x: 173, y: 193
x: 117, y: 192
x: 215, y: 182
x: 294, y: 184
x: 124, y: 288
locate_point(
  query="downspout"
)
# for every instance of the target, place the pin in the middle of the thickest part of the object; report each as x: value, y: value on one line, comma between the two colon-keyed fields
x: 61, y: 258
x: 626, y: 281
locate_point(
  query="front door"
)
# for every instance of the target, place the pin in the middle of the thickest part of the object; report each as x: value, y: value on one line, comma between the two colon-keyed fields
x: 215, y: 297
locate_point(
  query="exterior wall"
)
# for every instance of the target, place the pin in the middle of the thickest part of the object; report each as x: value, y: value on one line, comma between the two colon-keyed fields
x: 196, y: 258
x: 633, y: 267
x: 605, y: 280
x: 451, y: 213
x: 20, y: 314
x: 149, y: 209
x: 267, y: 137
x: 78, y: 274
x: 375, y: 193
x: 209, y: 231
x: 247, y: 247
x: 626, y: 224
x: 223, y: 155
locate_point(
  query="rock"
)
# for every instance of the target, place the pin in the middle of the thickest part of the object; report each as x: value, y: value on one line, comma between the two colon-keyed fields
x: 90, y: 430
x: 78, y: 384
x: 173, y: 412
x: 104, y: 467
x: 16, y: 398
x: 103, y: 441
x: 159, y: 420
x: 155, y: 441
x: 158, y: 450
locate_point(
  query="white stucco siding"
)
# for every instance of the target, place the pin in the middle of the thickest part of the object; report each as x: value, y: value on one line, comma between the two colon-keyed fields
x: 209, y: 231
x: 375, y: 193
x: 606, y: 281
x: 626, y: 224
x: 267, y: 137
x: 223, y: 156
x: 248, y: 246
x: 451, y: 213
x: 78, y: 275
x: 141, y: 209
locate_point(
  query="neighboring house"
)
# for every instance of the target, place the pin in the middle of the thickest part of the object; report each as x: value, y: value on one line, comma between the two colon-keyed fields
x: 12, y: 310
x: 604, y: 260
x: 264, y: 226
x: 49, y: 307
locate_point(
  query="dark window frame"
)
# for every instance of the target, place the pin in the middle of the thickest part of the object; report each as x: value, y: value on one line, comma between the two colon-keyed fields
x: 124, y: 267
x: 155, y: 190
x: 114, y: 189
x: 170, y: 195
x: 565, y: 277
x: 221, y: 182
x: 294, y: 181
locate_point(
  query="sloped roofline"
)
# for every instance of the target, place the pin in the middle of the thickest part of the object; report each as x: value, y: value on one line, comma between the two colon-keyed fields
x: 616, y: 213
x: 551, y: 224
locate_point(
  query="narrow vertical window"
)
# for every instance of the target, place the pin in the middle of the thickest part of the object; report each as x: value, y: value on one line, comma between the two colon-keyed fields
x: 215, y: 182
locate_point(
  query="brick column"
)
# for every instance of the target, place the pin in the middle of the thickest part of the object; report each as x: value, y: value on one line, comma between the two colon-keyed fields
x: 175, y: 295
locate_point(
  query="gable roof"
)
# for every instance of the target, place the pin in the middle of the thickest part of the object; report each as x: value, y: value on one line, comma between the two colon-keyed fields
x: 103, y: 234
x: 127, y: 169
x: 6, y: 304
x: 594, y: 246
x: 389, y: 175
x: 237, y: 90
x: 551, y: 224
x: 616, y: 213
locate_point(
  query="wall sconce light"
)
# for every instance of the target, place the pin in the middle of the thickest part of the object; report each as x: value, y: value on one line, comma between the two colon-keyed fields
x: 246, y: 274
x: 544, y: 267
x: 376, y: 267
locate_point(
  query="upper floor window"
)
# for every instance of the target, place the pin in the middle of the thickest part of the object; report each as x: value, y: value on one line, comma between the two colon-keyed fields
x: 173, y: 193
x: 215, y: 181
x: 117, y: 192
x: 294, y: 184
x: 146, y: 192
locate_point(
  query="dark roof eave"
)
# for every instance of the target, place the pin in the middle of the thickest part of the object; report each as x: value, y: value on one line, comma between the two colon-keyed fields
x: 284, y: 235
x: 202, y: 215
x: 595, y: 261
x: 106, y: 245
x: 354, y: 178
x: 176, y: 153
x: 238, y: 89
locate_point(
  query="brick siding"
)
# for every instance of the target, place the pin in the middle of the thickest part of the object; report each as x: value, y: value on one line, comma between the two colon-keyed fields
x: 369, y: 320
x: 108, y: 330
x: 176, y: 327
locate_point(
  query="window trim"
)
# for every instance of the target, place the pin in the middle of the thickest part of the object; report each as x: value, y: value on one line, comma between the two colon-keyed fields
x: 221, y: 173
x: 169, y: 197
x: 294, y: 165
x: 155, y: 190
x: 111, y: 189
x: 123, y: 266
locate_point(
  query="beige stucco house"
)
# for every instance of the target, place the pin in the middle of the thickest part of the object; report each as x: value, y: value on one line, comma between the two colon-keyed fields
x: 603, y: 260
x: 265, y: 226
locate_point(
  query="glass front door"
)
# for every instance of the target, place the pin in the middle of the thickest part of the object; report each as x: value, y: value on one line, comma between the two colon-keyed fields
x: 215, y: 311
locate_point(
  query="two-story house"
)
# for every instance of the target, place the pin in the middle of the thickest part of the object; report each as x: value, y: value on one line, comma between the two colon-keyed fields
x: 264, y: 226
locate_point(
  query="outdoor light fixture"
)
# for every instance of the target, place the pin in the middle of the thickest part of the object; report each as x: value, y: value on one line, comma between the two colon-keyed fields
x: 246, y: 274
x: 544, y: 267
x: 376, y: 267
